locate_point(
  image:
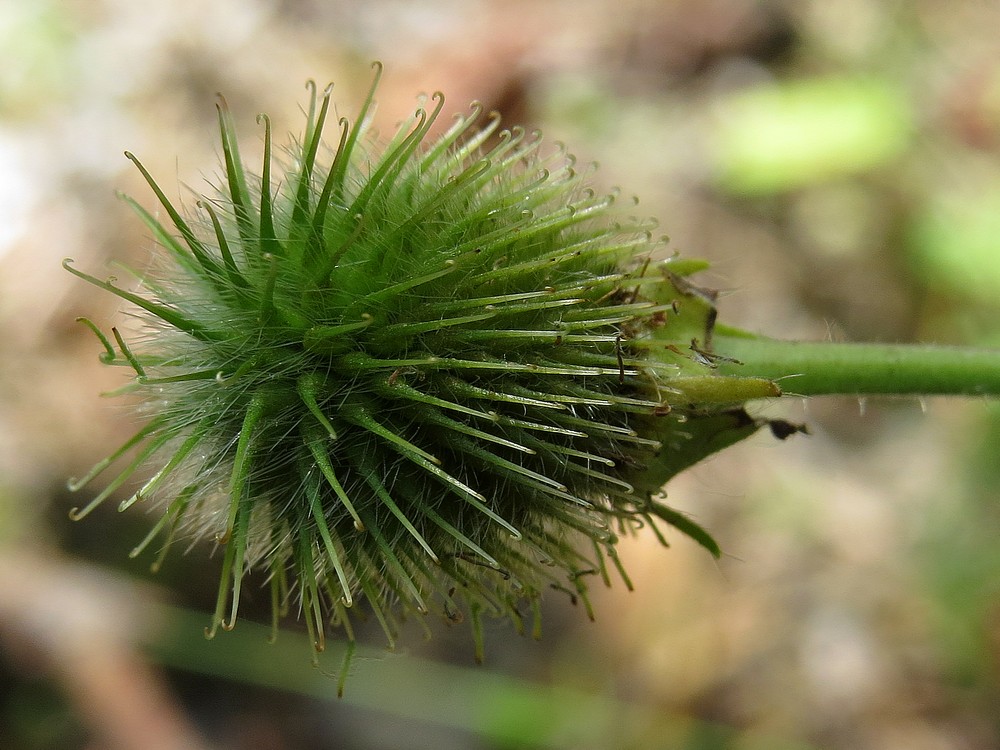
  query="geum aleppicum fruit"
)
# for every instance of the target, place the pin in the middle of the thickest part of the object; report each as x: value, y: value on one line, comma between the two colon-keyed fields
x: 439, y: 374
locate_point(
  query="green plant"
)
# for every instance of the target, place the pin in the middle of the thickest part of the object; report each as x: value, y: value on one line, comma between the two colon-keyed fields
x: 442, y: 374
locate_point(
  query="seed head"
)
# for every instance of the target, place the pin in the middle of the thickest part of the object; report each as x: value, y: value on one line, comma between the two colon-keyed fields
x: 442, y: 375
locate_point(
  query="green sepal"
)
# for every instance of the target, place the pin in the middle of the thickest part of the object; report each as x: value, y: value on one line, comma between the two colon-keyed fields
x: 720, y: 389
x: 702, y: 436
x: 684, y: 524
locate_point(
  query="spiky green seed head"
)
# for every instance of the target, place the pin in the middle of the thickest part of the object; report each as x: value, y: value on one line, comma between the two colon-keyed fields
x: 442, y: 375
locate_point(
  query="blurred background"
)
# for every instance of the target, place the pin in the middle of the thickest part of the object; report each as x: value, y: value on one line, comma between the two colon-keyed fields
x: 839, y: 164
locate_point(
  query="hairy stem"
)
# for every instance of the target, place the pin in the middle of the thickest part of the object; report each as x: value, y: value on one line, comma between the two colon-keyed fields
x: 809, y: 369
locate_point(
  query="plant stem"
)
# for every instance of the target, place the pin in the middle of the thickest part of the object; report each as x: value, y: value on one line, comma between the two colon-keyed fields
x: 809, y: 369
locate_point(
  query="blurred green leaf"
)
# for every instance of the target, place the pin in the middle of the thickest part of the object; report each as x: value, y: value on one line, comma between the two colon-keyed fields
x: 504, y: 710
x: 36, y: 39
x: 956, y: 241
x: 788, y: 135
